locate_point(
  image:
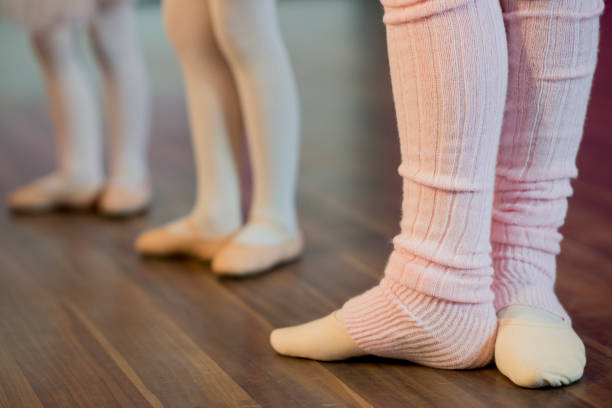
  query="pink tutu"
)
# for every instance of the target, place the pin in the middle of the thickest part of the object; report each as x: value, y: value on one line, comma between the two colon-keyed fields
x: 39, y: 14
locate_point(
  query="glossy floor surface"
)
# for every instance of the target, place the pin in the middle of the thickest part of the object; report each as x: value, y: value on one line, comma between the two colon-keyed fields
x: 85, y: 321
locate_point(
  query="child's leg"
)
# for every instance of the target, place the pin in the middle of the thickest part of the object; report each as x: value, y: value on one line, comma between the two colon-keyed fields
x: 214, y: 116
x: 127, y: 107
x: 248, y: 33
x: 552, y: 50
x: 434, y: 305
x: 79, y: 175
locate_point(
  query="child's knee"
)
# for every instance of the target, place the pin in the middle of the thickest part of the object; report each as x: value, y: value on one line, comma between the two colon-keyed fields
x: 189, y: 28
x: 53, y: 45
x: 244, y: 35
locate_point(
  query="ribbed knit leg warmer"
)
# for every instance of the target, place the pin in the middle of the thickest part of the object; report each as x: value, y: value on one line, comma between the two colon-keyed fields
x: 552, y: 49
x: 434, y: 305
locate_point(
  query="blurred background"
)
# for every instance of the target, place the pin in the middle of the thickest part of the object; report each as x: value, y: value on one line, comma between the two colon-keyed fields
x: 339, y: 56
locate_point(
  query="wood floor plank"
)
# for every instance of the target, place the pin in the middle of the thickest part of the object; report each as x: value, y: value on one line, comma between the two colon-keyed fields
x: 595, y: 391
x: 307, y: 386
x: 237, y: 336
x: 56, y: 356
x: 15, y: 390
x: 116, y: 357
x: 165, y: 359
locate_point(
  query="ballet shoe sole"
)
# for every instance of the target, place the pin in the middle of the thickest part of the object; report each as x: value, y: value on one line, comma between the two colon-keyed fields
x: 81, y: 204
x: 200, y: 252
x: 125, y: 213
x: 291, y: 257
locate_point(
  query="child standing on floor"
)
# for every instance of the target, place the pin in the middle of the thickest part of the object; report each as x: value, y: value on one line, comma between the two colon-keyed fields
x: 235, y: 66
x: 491, y: 98
x: 79, y: 180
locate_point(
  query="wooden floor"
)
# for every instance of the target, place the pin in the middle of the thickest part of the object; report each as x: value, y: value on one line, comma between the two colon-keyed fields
x: 84, y: 321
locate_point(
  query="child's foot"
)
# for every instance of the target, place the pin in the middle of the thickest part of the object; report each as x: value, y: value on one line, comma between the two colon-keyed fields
x: 119, y: 201
x: 324, y: 339
x: 536, y: 345
x: 180, y: 237
x: 391, y: 320
x: 52, y: 192
x: 535, y: 348
x: 258, y: 247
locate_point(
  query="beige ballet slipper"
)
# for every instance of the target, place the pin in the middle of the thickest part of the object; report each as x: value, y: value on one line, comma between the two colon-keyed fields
x: 120, y: 202
x: 50, y: 193
x: 180, y: 237
x: 238, y: 259
x: 535, y: 348
x: 324, y: 339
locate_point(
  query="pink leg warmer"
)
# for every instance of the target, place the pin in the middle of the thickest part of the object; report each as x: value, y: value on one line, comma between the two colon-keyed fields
x: 449, y: 72
x: 552, y: 48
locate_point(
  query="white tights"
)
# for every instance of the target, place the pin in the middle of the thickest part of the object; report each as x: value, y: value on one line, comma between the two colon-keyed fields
x: 235, y: 65
x: 75, y: 114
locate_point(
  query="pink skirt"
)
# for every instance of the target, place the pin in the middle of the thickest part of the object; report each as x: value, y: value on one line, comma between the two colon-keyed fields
x: 40, y: 14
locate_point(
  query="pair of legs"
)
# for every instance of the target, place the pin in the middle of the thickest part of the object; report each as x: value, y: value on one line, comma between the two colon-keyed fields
x: 79, y: 178
x: 491, y: 98
x: 235, y: 66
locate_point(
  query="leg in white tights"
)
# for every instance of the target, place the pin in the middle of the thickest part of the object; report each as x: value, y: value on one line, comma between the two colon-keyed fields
x: 126, y: 98
x: 214, y: 115
x: 211, y: 38
x: 553, y: 53
x: 249, y: 36
x: 79, y: 175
